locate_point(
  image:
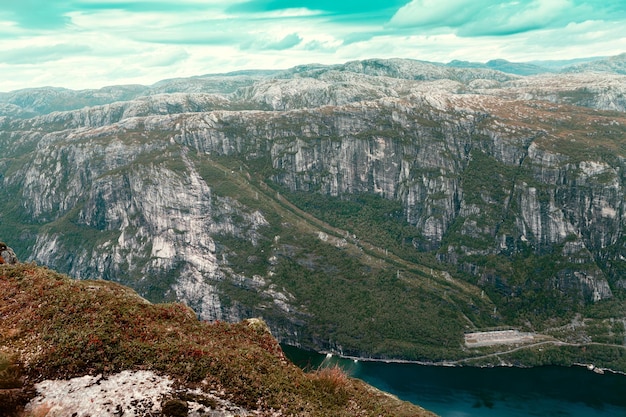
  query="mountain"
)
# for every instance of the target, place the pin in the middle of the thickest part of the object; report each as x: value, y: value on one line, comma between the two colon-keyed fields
x: 609, y: 65
x: 614, y: 65
x: 503, y: 66
x: 557, y: 65
x: 96, y: 348
x: 375, y: 208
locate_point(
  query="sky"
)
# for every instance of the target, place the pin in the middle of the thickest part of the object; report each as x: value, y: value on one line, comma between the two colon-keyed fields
x: 82, y: 44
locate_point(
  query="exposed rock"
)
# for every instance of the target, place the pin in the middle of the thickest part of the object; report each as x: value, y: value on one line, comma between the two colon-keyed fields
x: 7, y: 256
x: 136, y: 393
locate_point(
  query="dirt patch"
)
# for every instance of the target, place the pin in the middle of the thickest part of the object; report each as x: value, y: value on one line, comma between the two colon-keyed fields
x: 499, y: 337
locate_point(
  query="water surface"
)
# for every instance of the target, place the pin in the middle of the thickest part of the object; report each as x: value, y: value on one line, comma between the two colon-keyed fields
x: 488, y: 392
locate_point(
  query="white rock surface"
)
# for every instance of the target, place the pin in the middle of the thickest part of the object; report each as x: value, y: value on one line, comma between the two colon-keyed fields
x: 128, y: 393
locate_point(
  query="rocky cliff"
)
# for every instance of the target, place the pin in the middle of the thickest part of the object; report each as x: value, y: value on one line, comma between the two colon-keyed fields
x: 460, y: 192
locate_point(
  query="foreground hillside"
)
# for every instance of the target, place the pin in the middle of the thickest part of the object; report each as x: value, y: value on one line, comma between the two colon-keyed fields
x: 164, y: 361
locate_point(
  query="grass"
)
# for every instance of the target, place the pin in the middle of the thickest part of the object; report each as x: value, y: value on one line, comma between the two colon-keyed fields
x: 56, y: 327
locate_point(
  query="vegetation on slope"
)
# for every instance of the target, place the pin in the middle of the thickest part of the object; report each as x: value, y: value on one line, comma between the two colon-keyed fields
x: 358, y: 296
x: 377, y: 296
x: 576, y: 333
x: 56, y: 327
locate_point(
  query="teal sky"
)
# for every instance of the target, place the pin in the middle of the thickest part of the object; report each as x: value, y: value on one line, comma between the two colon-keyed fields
x: 93, y: 43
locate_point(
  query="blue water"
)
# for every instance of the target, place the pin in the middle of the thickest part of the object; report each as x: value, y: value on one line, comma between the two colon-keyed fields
x: 488, y: 392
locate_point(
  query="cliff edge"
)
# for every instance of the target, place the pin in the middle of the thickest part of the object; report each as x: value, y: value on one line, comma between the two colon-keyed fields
x: 71, y: 347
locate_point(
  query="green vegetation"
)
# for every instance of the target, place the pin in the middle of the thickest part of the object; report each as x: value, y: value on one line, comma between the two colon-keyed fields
x: 357, y: 299
x: 608, y: 357
x: 70, y: 328
x: 372, y: 218
x: 380, y: 312
x: 391, y: 302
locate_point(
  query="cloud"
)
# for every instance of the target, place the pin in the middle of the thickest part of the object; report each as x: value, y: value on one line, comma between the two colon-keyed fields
x: 333, y: 6
x: 91, y: 43
x: 175, y: 36
x: 287, y: 42
x: 41, y: 54
x: 143, y: 6
x: 321, y: 46
x: 434, y: 13
x: 512, y: 17
x: 166, y: 59
x: 56, y: 14
x: 159, y: 28
x: 40, y: 14
x: 485, y: 17
x: 9, y: 30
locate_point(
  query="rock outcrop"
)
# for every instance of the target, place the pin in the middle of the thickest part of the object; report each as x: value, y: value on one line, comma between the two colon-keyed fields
x: 7, y: 256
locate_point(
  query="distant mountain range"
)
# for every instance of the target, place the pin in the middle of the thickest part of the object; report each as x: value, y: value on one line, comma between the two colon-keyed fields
x: 29, y: 102
x: 542, y: 67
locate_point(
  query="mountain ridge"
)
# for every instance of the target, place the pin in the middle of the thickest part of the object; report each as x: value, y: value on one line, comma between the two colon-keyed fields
x: 228, y: 82
x: 344, y: 204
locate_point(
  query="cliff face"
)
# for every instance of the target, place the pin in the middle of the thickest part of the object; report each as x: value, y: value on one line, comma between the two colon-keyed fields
x: 182, y: 195
x: 458, y: 176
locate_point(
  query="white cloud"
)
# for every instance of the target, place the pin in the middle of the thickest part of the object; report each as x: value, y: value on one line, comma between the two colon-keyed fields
x: 166, y: 57
x: 486, y: 17
x: 287, y: 13
x: 430, y: 13
x: 42, y: 54
x: 510, y: 18
x: 262, y: 43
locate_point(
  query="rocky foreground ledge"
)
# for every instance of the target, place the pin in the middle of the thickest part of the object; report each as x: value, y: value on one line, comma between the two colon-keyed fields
x: 95, y: 348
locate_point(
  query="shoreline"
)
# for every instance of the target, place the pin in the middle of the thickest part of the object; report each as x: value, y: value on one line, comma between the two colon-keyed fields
x: 455, y: 364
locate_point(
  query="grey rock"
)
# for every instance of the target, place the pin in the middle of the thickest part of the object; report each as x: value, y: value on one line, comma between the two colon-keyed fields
x: 7, y: 256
